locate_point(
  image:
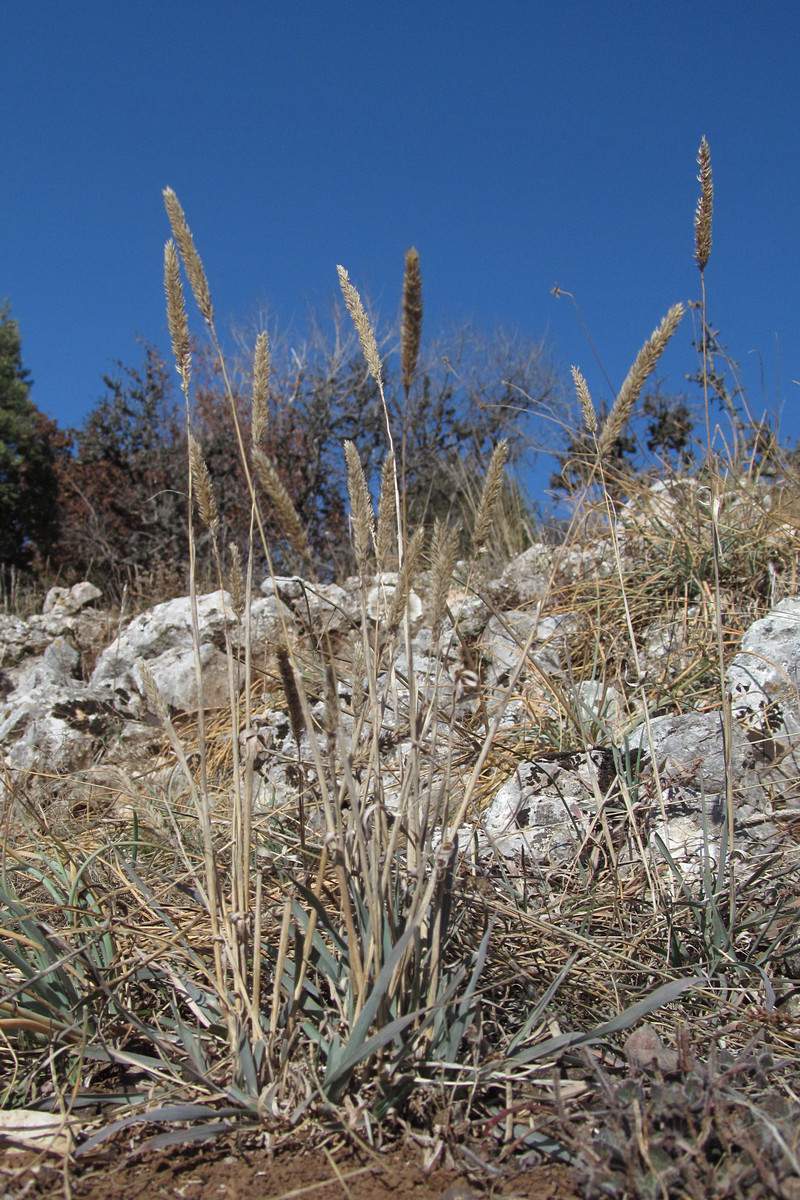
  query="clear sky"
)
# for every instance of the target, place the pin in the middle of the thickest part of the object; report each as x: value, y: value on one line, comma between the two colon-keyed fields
x: 518, y: 144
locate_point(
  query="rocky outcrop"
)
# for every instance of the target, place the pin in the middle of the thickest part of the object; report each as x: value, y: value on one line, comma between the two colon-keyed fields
x: 62, y: 710
x: 163, y: 637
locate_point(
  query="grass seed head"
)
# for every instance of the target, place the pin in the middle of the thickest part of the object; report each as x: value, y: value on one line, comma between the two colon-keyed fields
x: 492, y: 490
x: 386, y: 513
x: 287, y: 520
x: 705, y: 207
x: 631, y: 389
x: 237, y: 583
x: 408, y: 572
x: 369, y: 346
x: 192, y: 262
x: 261, y: 370
x: 411, y: 332
x: 155, y: 700
x: 589, y: 415
x: 360, y: 506
x: 203, y: 492
x: 444, y: 556
x: 290, y: 691
x: 176, y: 313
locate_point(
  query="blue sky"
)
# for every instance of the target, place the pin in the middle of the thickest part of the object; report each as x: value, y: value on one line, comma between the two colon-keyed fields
x: 517, y: 144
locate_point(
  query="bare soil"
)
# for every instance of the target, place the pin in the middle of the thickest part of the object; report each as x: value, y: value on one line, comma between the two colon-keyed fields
x: 238, y: 1172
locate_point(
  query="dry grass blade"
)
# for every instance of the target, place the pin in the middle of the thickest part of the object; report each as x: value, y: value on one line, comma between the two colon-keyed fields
x: 589, y: 415
x: 286, y: 521
x: 360, y: 505
x: 705, y: 207
x: 369, y: 346
x: 631, y: 389
x: 491, y: 494
x: 191, y: 259
x: 411, y: 332
x: 203, y: 492
x: 176, y: 312
x: 261, y: 371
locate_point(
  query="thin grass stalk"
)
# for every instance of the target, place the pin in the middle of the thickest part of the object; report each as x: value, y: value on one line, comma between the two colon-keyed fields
x: 176, y: 313
x: 280, y: 963
x: 252, y: 743
x: 640, y: 676
x: 211, y: 894
x: 240, y: 848
x: 257, y: 930
x: 332, y: 837
x: 196, y: 274
x: 399, y: 608
x: 702, y: 252
x: 236, y: 424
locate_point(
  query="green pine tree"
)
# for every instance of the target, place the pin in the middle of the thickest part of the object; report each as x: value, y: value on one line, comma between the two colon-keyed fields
x: 28, y: 484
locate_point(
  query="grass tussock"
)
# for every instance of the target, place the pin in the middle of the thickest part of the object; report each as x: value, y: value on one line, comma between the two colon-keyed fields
x: 182, y: 947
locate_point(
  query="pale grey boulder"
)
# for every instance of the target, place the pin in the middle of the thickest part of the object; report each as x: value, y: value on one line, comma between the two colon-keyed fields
x: 763, y: 682
x: 505, y: 637
x: 163, y: 636
x: 541, y: 810
x: 71, y: 600
x: 764, y: 678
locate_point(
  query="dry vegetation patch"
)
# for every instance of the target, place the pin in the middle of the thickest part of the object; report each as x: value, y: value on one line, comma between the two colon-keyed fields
x: 352, y: 963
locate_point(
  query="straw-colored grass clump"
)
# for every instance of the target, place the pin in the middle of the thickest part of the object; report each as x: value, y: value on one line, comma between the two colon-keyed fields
x: 347, y: 954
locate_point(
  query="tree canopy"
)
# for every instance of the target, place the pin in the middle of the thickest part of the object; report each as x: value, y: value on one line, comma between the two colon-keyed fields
x: 29, y: 444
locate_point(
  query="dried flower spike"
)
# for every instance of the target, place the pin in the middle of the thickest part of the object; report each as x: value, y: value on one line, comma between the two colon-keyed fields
x: 411, y: 333
x: 360, y: 506
x: 258, y: 408
x: 386, y: 514
x: 644, y: 365
x: 176, y: 313
x: 287, y: 519
x: 191, y: 259
x: 705, y: 206
x: 203, y: 492
x: 237, y: 583
x: 589, y: 415
x: 369, y: 346
x: 491, y: 495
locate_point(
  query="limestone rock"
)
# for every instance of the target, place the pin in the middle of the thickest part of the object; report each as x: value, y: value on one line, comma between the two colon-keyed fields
x: 163, y: 637
x: 71, y: 600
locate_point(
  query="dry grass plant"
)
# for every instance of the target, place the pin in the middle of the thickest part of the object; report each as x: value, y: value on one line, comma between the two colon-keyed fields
x: 337, y: 957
